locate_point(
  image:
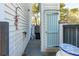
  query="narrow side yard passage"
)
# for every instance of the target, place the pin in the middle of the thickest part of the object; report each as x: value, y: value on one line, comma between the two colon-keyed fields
x: 33, y: 48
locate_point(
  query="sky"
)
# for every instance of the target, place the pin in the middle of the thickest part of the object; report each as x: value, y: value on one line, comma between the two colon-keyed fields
x: 72, y: 5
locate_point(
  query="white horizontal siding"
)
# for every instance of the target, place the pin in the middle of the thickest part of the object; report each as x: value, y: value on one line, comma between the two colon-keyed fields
x: 17, y: 41
x: 50, y: 6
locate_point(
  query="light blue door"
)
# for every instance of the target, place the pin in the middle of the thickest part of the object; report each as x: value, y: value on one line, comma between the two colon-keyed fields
x: 52, y: 29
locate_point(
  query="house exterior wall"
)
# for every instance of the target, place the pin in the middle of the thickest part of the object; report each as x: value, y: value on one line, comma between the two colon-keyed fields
x: 17, y: 40
x: 61, y: 33
x: 46, y: 6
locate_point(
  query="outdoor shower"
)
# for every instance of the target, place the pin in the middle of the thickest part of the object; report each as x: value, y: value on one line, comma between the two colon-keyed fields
x: 16, y: 17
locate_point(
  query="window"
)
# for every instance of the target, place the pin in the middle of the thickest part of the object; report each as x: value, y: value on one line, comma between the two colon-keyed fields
x: 71, y: 34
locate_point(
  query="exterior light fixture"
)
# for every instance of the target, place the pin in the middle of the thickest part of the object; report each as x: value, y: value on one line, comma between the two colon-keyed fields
x: 28, y: 9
